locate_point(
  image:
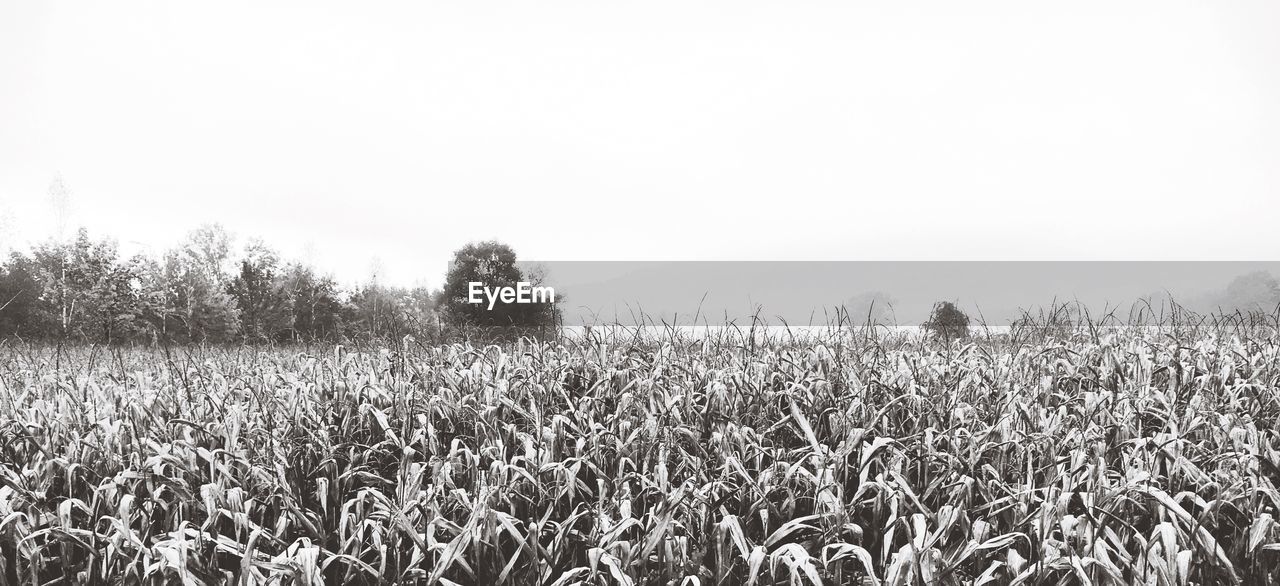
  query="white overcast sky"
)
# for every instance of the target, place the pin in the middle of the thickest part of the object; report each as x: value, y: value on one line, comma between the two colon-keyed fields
x: 650, y: 130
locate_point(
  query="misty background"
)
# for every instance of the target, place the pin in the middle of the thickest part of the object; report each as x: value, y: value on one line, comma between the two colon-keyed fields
x: 901, y: 293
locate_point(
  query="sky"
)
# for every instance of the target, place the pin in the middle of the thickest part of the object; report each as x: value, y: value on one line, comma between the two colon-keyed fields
x: 359, y: 134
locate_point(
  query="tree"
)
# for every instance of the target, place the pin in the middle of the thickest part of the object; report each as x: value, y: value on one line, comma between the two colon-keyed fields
x: 948, y: 321
x: 196, y: 305
x: 60, y: 204
x: 20, y: 295
x: 314, y: 302
x: 494, y: 265
x: 1256, y: 291
x: 376, y: 311
x: 417, y: 309
x: 870, y: 308
x: 86, y: 288
x: 260, y: 295
x: 72, y: 289
x: 122, y: 307
x: 154, y: 293
x: 207, y: 250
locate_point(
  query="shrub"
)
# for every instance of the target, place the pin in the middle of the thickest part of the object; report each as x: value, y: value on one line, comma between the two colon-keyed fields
x: 948, y: 321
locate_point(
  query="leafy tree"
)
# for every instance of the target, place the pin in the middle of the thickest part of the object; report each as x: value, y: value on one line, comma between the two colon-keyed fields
x: 20, y: 295
x: 261, y: 296
x: 197, y: 306
x: 420, y: 310
x: 207, y: 250
x: 870, y: 308
x: 1256, y: 291
x: 83, y: 289
x: 378, y: 311
x: 86, y: 288
x: 315, y: 304
x: 948, y: 321
x: 493, y: 264
x: 123, y: 308
x: 153, y: 298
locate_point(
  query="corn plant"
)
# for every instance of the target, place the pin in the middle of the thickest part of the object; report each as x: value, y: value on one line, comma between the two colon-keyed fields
x: 1119, y: 456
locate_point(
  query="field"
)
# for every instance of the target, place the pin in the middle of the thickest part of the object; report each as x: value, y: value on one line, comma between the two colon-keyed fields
x: 1123, y: 457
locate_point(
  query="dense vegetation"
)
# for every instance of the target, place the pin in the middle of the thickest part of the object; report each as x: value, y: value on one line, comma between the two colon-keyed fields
x: 1108, y: 457
x: 207, y: 291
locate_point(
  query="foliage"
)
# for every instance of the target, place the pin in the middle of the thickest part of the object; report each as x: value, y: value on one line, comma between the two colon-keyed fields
x: 196, y: 305
x: 869, y: 308
x: 20, y: 295
x: 376, y: 312
x: 947, y: 321
x: 316, y: 304
x: 261, y: 296
x: 76, y: 289
x: 1256, y: 291
x: 203, y: 291
x: 494, y: 265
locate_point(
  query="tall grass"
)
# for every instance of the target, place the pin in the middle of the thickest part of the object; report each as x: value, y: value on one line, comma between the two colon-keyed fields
x: 1108, y: 457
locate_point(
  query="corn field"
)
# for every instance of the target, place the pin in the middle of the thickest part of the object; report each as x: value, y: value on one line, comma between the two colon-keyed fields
x: 1132, y: 457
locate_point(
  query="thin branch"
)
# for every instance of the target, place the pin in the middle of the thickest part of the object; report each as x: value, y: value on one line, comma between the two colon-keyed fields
x: 6, y: 304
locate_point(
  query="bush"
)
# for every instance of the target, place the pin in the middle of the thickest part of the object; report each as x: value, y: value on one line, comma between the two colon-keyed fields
x: 948, y: 321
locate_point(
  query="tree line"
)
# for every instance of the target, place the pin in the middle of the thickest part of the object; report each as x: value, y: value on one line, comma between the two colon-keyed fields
x: 206, y: 291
